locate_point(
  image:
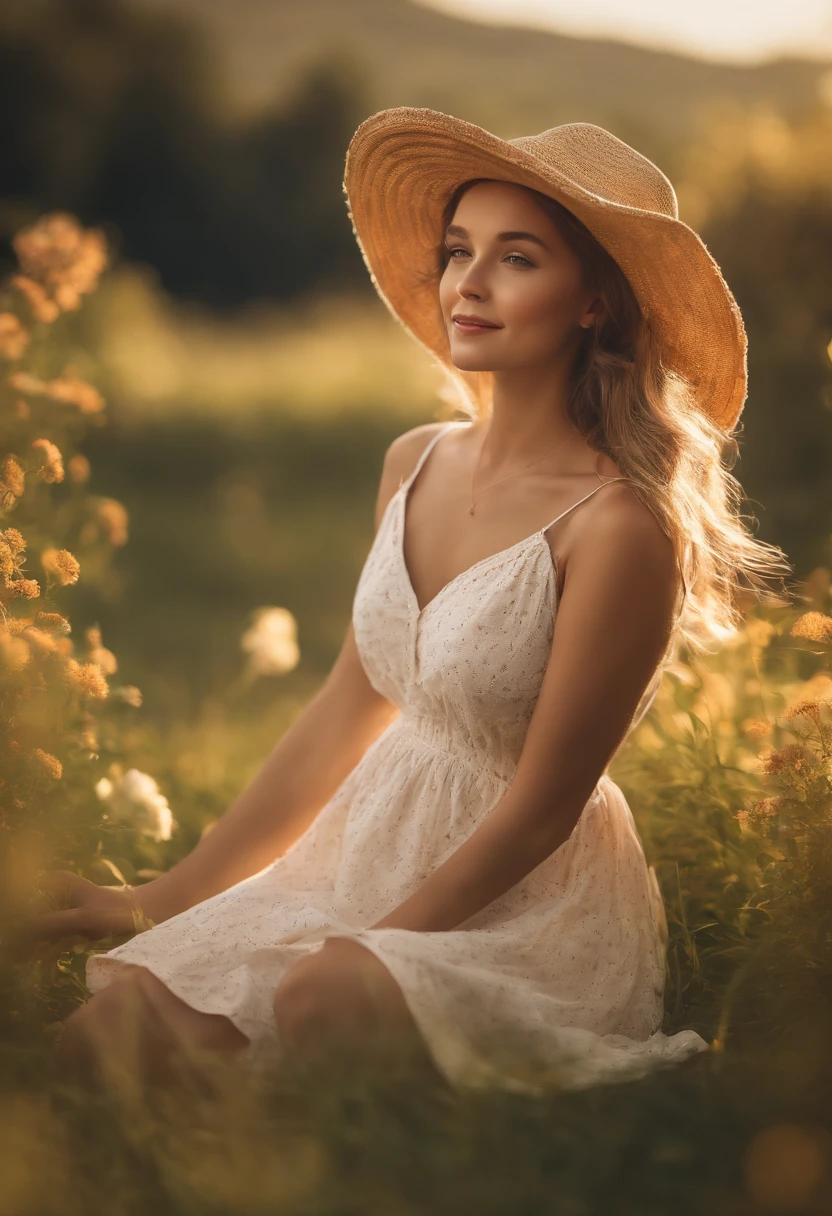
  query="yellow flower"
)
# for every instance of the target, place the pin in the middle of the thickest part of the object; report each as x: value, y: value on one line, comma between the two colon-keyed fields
x: 50, y: 763
x: 816, y: 626
x: 60, y: 563
x: 14, y: 540
x: 13, y: 337
x: 49, y: 462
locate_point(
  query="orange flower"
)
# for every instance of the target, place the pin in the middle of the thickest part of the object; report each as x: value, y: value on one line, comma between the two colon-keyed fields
x: 50, y: 763
x: 42, y: 308
x: 791, y: 758
x: 113, y: 518
x: 14, y: 653
x: 54, y: 620
x: 756, y: 728
x: 26, y: 588
x: 60, y: 563
x: 809, y: 707
x: 816, y: 626
x: 13, y: 337
x: 71, y: 389
x: 87, y: 678
x: 49, y: 461
x: 79, y: 469
x: 59, y: 254
x: 12, y: 478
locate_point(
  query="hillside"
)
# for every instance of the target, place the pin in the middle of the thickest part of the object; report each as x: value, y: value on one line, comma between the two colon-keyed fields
x: 511, y: 79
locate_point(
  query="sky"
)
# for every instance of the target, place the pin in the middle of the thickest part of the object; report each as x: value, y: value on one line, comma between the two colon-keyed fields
x: 733, y: 31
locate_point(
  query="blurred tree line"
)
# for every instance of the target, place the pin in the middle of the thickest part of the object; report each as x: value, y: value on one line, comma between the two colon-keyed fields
x: 121, y: 116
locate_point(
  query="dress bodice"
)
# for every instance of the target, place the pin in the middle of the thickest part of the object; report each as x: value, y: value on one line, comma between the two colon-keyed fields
x: 467, y: 668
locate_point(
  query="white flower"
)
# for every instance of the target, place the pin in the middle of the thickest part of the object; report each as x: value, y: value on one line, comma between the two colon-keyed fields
x: 271, y: 642
x: 135, y: 800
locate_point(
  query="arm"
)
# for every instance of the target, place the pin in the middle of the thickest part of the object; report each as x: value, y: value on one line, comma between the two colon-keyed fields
x: 613, y: 624
x: 305, y: 768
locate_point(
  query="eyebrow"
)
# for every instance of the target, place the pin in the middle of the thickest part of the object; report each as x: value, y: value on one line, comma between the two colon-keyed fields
x: 455, y: 230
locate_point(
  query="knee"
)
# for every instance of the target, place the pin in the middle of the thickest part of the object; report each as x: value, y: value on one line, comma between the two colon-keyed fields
x: 322, y: 1001
x: 101, y: 1018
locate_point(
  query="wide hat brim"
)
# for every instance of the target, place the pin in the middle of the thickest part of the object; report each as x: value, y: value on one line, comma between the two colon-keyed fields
x: 402, y: 166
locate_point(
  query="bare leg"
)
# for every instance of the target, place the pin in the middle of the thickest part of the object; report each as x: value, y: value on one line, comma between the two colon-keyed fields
x: 341, y: 1006
x: 137, y: 1030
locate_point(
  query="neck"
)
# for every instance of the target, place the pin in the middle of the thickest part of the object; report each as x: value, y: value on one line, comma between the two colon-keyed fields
x: 528, y: 418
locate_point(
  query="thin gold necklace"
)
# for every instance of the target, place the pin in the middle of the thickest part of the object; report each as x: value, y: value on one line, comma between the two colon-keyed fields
x: 514, y: 474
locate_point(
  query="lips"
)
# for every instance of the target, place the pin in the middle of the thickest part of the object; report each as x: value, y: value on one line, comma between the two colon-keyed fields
x: 472, y: 324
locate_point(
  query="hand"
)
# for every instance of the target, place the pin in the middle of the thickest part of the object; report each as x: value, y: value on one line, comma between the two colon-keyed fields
x: 82, y: 907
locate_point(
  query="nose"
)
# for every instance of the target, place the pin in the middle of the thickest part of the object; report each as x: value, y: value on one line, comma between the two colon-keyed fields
x: 472, y: 284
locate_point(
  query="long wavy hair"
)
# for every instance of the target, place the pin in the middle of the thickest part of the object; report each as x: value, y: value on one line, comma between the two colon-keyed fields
x: 644, y: 416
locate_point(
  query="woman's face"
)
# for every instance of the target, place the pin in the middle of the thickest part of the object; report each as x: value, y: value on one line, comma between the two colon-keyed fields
x: 532, y: 290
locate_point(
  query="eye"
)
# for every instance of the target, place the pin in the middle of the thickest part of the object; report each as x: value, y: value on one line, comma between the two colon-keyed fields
x: 523, y: 261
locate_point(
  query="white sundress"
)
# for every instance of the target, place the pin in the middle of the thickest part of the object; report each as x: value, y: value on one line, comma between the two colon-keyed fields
x: 560, y: 978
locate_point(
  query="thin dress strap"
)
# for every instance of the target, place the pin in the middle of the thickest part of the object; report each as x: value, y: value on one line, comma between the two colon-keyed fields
x: 581, y: 500
x: 424, y: 454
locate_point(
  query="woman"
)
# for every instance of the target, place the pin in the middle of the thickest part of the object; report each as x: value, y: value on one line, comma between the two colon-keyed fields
x: 458, y: 881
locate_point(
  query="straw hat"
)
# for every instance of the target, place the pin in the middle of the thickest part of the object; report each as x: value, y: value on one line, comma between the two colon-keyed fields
x: 403, y: 164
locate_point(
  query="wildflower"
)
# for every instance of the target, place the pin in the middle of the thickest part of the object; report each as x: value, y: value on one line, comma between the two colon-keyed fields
x: 86, y: 678
x: 791, y: 758
x: 98, y: 653
x: 60, y: 563
x: 271, y: 642
x: 51, y: 764
x: 63, y: 257
x: 22, y: 382
x: 14, y: 653
x: 809, y: 707
x: 12, y: 478
x: 767, y: 807
x: 49, y: 462
x: 129, y: 694
x: 134, y: 800
x: 112, y: 517
x: 743, y: 818
x: 54, y: 620
x: 40, y: 641
x: 78, y: 468
x: 756, y: 728
x: 42, y: 308
x: 25, y: 588
x: 14, y: 539
x: 816, y: 626
x: 13, y: 337
x: 71, y: 389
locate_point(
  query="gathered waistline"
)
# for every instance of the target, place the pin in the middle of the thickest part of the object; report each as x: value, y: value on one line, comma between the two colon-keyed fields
x: 434, y: 736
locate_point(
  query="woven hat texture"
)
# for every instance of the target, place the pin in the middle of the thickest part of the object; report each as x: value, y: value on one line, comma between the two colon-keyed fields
x: 403, y: 164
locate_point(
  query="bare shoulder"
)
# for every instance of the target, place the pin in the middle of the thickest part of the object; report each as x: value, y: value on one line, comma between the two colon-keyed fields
x: 400, y: 460
x: 404, y: 451
x: 620, y: 541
